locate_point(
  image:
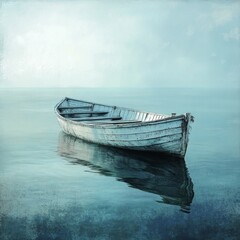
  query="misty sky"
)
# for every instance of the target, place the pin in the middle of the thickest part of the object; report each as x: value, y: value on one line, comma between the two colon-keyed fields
x: 120, y: 43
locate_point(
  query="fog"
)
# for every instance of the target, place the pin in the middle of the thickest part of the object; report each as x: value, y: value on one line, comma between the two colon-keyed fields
x: 120, y: 44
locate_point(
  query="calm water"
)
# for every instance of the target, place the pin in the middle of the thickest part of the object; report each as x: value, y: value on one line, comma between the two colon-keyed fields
x: 53, y: 186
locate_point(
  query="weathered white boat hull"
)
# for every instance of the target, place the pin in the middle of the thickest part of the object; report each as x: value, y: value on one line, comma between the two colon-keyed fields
x: 169, y: 134
x: 157, y: 137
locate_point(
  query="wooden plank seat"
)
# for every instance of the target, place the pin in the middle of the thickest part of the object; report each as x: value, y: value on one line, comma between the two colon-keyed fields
x: 74, y: 107
x: 95, y: 118
x: 83, y: 112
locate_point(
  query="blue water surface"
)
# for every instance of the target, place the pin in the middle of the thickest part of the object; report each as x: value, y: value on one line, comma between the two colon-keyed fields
x: 53, y: 186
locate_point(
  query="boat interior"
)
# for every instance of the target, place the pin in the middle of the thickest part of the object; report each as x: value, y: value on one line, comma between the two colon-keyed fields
x: 82, y: 111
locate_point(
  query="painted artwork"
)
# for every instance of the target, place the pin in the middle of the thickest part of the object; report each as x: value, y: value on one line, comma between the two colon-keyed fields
x: 97, y: 102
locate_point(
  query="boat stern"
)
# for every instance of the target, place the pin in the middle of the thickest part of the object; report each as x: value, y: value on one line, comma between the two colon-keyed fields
x: 186, y: 126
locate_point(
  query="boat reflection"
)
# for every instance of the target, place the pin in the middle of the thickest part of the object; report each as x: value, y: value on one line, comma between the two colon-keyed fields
x: 166, y: 176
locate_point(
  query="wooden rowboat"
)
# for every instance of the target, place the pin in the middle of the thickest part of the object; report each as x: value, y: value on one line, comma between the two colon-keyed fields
x: 124, y: 128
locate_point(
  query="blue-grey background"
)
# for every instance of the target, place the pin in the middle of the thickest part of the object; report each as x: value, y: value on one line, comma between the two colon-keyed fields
x: 159, y: 56
x: 44, y: 194
x: 60, y: 43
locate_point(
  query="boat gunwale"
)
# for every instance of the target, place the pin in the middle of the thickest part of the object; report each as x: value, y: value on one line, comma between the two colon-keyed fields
x: 121, y: 125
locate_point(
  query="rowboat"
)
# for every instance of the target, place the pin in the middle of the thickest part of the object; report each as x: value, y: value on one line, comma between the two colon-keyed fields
x: 163, y: 175
x: 123, y: 127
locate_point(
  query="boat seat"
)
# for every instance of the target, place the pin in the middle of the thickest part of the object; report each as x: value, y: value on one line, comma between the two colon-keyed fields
x: 95, y: 118
x: 84, y: 112
x: 74, y: 107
